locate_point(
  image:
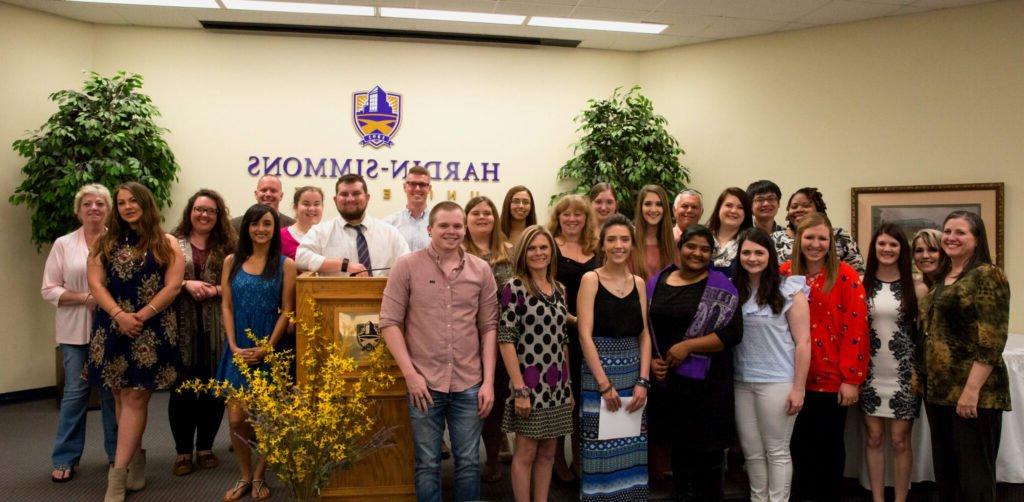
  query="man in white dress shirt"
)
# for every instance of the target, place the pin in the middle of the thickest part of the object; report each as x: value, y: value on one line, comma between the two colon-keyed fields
x: 354, y: 244
x: 411, y: 222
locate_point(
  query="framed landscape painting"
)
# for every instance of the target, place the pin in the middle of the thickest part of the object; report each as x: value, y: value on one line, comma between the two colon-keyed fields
x: 914, y: 207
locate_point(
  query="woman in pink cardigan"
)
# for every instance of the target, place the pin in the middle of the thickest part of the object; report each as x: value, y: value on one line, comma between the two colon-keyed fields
x: 65, y: 286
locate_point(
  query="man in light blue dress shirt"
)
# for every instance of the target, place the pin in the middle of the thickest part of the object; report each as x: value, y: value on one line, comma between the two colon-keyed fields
x: 411, y: 222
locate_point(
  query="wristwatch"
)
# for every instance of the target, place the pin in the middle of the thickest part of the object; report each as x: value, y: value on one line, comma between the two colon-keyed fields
x: 344, y: 265
x: 523, y: 391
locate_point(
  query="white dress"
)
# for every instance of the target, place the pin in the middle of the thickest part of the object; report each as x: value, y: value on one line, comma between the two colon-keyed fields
x: 886, y: 391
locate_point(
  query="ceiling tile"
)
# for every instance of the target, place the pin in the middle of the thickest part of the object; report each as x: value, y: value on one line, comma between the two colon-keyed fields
x: 706, y: 7
x: 772, y: 10
x: 942, y: 4
x: 680, y: 24
x: 626, y: 16
x: 843, y: 11
x: 533, y: 9
x: 461, y: 5
x: 619, y: 4
x: 729, y: 27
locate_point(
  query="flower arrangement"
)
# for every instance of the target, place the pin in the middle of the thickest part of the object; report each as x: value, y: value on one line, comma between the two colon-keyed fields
x: 307, y: 430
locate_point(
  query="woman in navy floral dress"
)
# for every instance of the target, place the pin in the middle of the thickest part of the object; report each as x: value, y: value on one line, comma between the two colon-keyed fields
x: 135, y: 272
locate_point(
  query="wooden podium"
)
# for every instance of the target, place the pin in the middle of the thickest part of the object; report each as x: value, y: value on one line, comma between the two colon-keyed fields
x: 351, y: 308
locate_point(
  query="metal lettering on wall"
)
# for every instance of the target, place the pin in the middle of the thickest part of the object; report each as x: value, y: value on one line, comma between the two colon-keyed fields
x: 376, y: 116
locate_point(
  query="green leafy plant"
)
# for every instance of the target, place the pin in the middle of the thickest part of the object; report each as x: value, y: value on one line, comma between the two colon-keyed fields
x: 104, y: 134
x: 625, y: 144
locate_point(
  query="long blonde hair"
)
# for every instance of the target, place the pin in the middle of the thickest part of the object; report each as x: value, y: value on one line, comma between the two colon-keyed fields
x: 522, y: 272
x: 799, y: 262
x: 588, y: 236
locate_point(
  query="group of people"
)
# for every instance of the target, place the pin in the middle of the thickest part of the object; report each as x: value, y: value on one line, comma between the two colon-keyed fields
x: 739, y: 331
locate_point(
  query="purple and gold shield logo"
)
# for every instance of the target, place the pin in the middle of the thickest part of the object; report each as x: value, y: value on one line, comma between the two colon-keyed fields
x: 376, y: 115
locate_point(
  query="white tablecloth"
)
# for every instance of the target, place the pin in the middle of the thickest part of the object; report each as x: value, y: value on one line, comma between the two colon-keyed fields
x: 1009, y: 464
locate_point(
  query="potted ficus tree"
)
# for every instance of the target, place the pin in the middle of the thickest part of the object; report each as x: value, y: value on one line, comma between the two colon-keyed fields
x: 104, y: 134
x: 624, y: 143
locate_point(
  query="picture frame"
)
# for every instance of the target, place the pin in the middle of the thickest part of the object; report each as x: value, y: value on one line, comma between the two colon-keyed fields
x: 926, y: 206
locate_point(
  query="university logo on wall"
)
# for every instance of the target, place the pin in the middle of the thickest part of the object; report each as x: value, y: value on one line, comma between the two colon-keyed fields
x: 376, y: 114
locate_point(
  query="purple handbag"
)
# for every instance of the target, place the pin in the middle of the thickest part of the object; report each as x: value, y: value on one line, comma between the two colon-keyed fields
x: 694, y: 367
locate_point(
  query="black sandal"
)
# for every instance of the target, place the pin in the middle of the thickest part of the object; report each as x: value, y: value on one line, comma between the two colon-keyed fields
x: 67, y: 474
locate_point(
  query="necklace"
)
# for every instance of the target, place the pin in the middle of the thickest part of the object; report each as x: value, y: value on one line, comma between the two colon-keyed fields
x: 626, y: 282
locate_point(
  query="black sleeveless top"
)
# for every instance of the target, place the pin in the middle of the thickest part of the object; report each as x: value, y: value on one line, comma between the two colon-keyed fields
x: 570, y: 273
x: 616, y: 317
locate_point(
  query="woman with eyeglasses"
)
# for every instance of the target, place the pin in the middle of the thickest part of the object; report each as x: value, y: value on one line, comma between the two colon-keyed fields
x: 205, y: 237
x: 517, y: 213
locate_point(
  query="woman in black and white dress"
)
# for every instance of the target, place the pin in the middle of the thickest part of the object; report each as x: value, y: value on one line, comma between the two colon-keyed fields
x: 886, y: 397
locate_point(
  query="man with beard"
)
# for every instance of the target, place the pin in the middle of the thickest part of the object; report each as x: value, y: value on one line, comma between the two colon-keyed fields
x: 354, y: 244
x: 269, y: 193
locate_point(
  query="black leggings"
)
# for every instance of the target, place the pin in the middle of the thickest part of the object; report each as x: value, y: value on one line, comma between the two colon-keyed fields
x: 818, y: 448
x: 194, y: 419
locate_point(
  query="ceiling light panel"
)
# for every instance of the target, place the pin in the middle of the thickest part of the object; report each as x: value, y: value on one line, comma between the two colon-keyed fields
x: 451, y: 15
x: 198, y: 4
x: 593, y: 24
x: 302, y: 8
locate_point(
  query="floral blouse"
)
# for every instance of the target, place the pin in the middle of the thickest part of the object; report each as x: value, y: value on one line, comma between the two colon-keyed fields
x: 966, y: 322
x: 839, y: 330
x: 846, y: 248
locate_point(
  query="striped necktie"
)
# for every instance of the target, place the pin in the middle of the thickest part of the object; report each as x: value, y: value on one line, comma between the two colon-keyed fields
x: 361, y: 247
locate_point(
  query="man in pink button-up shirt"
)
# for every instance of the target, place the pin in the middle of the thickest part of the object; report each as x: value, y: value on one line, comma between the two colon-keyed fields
x: 439, y: 318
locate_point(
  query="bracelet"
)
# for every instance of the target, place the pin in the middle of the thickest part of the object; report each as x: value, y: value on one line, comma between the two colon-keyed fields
x: 606, y: 389
x: 344, y: 265
x: 115, y: 314
x: 151, y: 307
x: 643, y: 382
x: 523, y: 391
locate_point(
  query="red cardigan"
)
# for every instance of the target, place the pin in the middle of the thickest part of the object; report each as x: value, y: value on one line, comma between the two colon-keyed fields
x: 840, y: 347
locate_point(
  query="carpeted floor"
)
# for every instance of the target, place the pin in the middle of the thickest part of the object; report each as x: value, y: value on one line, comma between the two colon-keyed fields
x: 26, y: 440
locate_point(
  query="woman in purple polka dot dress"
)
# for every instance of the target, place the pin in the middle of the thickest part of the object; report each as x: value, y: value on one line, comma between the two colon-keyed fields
x: 534, y: 348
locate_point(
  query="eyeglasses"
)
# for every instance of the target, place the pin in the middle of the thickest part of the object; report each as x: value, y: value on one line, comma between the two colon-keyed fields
x: 519, y: 202
x: 418, y: 185
x: 211, y: 211
x: 766, y: 199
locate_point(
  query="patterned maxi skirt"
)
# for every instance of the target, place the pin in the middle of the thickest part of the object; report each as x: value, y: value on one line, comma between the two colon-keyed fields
x: 613, y: 470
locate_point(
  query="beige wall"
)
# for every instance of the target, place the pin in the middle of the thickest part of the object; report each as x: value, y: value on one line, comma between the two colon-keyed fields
x: 931, y: 98
x: 39, y: 54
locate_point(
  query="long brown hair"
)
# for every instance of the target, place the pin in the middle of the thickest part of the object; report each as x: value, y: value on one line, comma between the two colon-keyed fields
x: 904, y: 264
x: 522, y: 272
x: 981, y: 254
x: 221, y: 241
x: 506, y: 214
x: 666, y: 242
x: 499, y: 253
x: 588, y: 235
x: 151, y: 235
x: 799, y: 262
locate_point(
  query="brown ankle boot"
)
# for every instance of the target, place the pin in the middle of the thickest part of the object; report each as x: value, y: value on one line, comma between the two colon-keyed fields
x: 137, y: 472
x: 116, y: 478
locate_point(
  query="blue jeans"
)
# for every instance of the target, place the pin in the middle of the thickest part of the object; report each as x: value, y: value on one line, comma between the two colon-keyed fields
x: 459, y: 410
x: 67, y: 447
